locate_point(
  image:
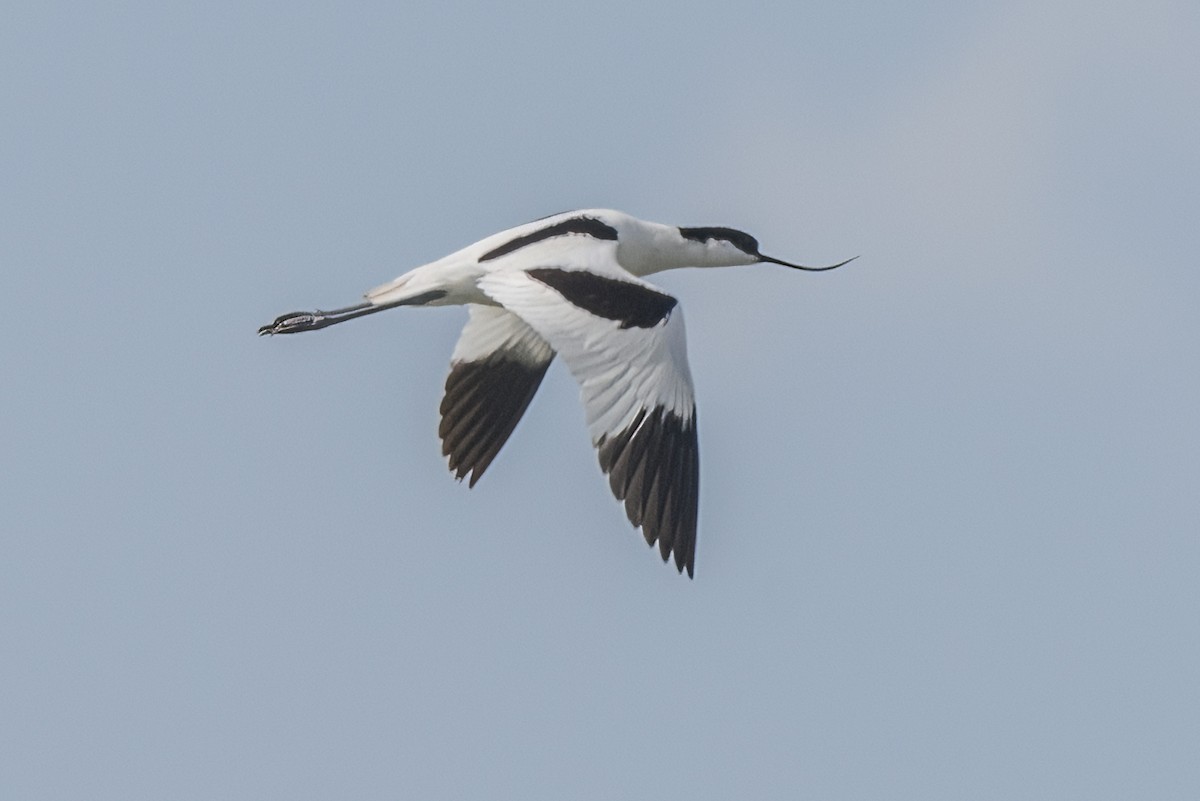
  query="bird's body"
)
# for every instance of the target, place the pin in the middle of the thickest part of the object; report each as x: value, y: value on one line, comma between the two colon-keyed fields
x: 572, y: 284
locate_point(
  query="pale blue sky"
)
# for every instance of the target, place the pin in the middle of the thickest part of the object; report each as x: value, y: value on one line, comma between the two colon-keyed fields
x: 950, y: 518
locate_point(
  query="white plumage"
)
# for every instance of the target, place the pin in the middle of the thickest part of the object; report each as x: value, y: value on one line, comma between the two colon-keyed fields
x: 571, y: 284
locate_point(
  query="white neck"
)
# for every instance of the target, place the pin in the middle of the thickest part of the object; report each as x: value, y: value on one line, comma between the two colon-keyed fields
x: 648, y: 247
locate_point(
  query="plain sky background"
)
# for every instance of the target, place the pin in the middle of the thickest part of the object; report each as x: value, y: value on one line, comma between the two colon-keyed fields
x: 950, y: 514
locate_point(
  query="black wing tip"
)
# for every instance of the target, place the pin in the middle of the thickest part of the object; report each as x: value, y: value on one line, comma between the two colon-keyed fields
x: 653, y: 466
x: 681, y: 563
x: 469, y: 473
x: 483, y: 403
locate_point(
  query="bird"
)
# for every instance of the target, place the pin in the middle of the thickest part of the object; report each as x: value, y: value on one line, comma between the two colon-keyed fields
x: 571, y: 284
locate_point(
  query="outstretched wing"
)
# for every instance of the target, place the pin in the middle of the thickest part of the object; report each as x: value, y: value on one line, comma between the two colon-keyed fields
x: 623, y: 340
x: 496, y: 369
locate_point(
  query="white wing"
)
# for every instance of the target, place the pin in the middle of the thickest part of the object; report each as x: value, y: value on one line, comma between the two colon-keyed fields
x: 623, y: 340
x: 496, y: 369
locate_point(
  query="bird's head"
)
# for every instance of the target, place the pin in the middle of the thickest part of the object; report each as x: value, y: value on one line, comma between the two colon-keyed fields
x: 728, y: 247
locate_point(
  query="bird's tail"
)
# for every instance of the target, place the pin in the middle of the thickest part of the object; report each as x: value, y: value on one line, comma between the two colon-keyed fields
x: 414, y: 288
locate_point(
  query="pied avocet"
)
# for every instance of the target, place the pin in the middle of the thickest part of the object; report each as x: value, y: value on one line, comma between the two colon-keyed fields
x: 572, y: 284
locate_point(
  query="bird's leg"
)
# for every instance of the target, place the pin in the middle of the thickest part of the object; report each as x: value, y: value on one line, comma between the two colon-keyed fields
x: 295, y: 322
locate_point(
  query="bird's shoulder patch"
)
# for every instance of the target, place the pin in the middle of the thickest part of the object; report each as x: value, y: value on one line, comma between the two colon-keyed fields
x: 632, y: 305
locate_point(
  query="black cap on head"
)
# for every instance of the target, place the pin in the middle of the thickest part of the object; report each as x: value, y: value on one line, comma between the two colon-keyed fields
x: 739, y: 239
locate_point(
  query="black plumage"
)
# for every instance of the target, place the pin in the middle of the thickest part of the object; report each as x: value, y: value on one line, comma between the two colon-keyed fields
x: 483, y: 403
x: 587, y: 226
x: 633, y: 305
x: 653, y: 465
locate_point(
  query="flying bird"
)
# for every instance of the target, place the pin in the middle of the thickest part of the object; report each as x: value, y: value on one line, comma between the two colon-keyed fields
x: 571, y: 284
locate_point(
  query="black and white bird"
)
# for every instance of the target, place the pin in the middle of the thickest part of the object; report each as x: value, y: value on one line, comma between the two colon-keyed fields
x: 572, y: 284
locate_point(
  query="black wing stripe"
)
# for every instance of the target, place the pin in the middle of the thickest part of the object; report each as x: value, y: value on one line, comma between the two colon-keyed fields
x: 632, y: 305
x: 483, y: 403
x: 588, y: 226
